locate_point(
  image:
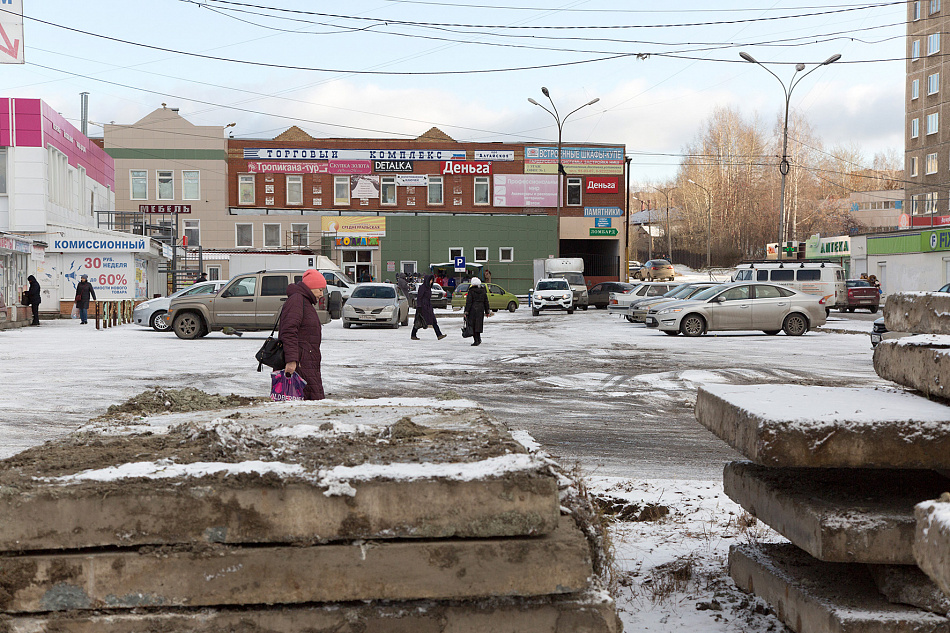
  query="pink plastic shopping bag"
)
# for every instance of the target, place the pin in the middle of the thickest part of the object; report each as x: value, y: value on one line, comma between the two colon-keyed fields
x: 284, y: 387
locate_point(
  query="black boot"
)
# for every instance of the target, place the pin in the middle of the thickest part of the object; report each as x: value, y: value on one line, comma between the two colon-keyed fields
x: 414, y: 337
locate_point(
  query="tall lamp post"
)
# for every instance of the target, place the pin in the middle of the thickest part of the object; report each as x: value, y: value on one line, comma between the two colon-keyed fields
x: 626, y: 222
x: 560, y: 166
x: 708, y: 219
x: 783, y: 166
x: 649, y: 224
x: 669, y: 234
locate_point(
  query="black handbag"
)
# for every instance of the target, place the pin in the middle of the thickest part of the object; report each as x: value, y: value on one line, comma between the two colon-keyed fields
x: 25, y: 298
x: 467, y: 329
x: 271, y: 352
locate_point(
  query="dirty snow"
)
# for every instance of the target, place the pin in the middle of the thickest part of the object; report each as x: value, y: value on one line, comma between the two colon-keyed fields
x: 166, y: 469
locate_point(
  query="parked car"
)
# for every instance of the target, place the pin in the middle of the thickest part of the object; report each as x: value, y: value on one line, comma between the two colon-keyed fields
x: 498, y: 297
x: 599, y: 295
x: 861, y: 294
x: 743, y: 306
x: 152, y: 313
x: 249, y: 302
x: 552, y: 294
x: 879, y: 331
x: 376, y: 304
x: 638, y: 310
x: 656, y: 269
x: 620, y: 301
x: 440, y: 298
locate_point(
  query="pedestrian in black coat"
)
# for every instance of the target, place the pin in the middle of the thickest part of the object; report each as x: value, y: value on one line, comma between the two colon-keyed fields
x: 425, y: 315
x: 84, y: 291
x: 476, y: 309
x: 33, y: 292
x: 301, y: 332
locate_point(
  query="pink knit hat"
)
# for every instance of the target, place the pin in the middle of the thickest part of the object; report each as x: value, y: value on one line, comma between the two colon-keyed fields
x: 314, y: 280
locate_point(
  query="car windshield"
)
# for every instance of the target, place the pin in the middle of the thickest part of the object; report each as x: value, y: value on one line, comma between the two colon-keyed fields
x: 681, y: 291
x: 708, y: 293
x: 552, y: 284
x: 374, y: 292
x: 575, y: 279
x: 858, y: 283
x: 658, y: 262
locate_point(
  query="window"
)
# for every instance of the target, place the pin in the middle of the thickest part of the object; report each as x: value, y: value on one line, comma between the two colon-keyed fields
x: 273, y: 285
x: 933, y: 43
x: 3, y: 169
x: 271, y: 235
x: 190, y: 185
x: 387, y: 190
x: 244, y: 235
x: 915, y: 50
x: 915, y: 89
x: 139, y: 186
x: 933, y: 122
x: 192, y: 232
x: 506, y: 254
x: 574, y: 192
x: 914, y: 128
x: 246, y: 193
x: 59, y: 185
x: 934, y: 6
x: 456, y: 251
x: 166, y: 185
x: 482, y: 190
x: 808, y: 274
x: 435, y: 190
x: 244, y: 287
x: 341, y: 190
x: 933, y: 83
x: 930, y: 164
x: 784, y: 274
x: 739, y: 293
x: 299, y: 234
x: 481, y: 254
x: 931, y: 202
x: 214, y: 273
x: 294, y: 189
x: 916, y: 9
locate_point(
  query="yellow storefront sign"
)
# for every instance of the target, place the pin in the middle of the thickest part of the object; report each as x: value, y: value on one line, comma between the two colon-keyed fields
x: 363, y: 225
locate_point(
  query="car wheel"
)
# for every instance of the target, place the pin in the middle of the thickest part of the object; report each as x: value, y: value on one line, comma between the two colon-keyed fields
x: 188, y: 326
x: 671, y: 332
x: 628, y: 317
x: 158, y: 322
x: 827, y: 312
x: 771, y: 332
x: 512, y: 306
x: 849, y: 310
x: 535, y: 312
x: 395, y: 325
x: 347, y: 324
x: 584, y: 308
x: 335, y: 304
x: 693, y: 325
x: 570, y: 311
x: 795, y: 325
x: 873, y: 310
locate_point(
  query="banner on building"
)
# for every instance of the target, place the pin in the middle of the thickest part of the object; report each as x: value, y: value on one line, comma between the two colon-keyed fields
x: 412, y: 180
x: 360, y: 225
x: 390, y: 166
x: 112, y: 276
x: 364, y: 186
x: 298, y: 153
x: 517, y: 190
x: 493, y: 154
x: 576, y: 160
x: 260, y: 167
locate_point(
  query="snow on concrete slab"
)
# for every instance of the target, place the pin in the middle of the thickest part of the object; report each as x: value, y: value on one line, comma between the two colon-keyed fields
x: 918, y: 312
x: 932, y: 540
x: 830, y: 427
x: 921, y: 362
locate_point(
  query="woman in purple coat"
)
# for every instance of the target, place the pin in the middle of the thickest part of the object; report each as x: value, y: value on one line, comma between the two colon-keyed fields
x: 301, y: 332
x: 425, y: 315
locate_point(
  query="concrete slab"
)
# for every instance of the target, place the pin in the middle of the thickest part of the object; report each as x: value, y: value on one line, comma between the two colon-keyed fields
x: 837, y: 515
x: 920, y: 362
x: 811, y: 596
x: 932, y: 542
x: 907, y: 584
x: 218, y: 575
x: 586, y: 613
x: 918, y: 312
x: 828, y: 427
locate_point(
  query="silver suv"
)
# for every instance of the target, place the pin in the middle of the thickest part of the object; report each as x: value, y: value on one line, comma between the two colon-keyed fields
x: 552, y: 294
x: 248, y: 303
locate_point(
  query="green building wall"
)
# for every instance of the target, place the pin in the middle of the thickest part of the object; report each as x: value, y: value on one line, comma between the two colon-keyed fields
x: 426, y: 240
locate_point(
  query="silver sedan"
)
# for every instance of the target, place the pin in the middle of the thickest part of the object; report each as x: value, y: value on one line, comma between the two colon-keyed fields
x: 376, y: 304
x: 744, y: 306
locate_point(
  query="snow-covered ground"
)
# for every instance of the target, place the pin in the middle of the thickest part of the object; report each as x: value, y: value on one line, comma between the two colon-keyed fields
x: 670, y: 567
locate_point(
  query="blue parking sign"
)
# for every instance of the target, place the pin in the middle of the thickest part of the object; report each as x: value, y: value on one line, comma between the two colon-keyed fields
x: 460, y: 264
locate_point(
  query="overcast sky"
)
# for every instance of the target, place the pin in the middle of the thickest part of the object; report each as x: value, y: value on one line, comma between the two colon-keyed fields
x: 394, y: 68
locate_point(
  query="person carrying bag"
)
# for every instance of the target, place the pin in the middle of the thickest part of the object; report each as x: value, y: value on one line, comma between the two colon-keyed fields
x: 301, y: 332
x: 476, y: 309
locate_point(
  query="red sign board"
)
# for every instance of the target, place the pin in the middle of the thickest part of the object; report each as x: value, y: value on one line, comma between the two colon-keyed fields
x: 926, y: 220
x: 602, y: 185
x: 262, y: 167
x: 466, y: 168
x: 164, y: 208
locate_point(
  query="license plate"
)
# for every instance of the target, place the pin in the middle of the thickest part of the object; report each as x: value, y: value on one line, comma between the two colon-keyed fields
x: 367, y: 317
x: 875, y: 338
x: 649, y: 321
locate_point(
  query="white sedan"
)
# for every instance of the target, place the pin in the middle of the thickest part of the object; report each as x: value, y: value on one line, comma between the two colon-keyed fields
x: 376, y: 304
x: 151, y: 313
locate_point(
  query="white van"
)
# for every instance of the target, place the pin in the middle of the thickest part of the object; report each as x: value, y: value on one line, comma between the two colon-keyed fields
x: 811, y: 277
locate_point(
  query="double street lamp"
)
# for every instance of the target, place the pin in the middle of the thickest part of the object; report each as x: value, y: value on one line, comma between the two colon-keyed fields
x: 783, y: 166
x: 708, y: 219
x: 560, y: 166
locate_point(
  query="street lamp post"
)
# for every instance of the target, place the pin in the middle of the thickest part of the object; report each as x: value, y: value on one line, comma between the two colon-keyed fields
x: 560, y: 166
x: 649, y: 224
x: 669, y: 234
x: 784, y: 166
x: 708, y: 220
x: 626, y: 222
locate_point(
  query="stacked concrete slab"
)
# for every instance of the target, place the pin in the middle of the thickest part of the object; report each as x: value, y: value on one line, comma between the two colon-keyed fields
x: 333, y: 516
x: 838, y: 472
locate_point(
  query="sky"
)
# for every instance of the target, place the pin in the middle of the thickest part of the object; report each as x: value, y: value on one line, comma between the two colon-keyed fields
x: 395, y: 68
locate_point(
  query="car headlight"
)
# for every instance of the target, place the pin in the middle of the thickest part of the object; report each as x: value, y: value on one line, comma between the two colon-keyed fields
x: 388, y: 310
x: 537, y: 297
x: 567, y: 296
x: 669, y: 311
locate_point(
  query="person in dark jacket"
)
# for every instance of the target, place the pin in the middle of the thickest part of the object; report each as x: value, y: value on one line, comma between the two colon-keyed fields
x: 84, y: 290
x: 301, y: 332
x: 476, y: 309
x: 403, y: 283
x: 425, y: 315
x: 33, y: 292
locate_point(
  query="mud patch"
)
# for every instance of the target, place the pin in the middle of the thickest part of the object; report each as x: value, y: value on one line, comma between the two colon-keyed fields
x: 623, y: 510
x: 15, y: 574
x: 160, y: 400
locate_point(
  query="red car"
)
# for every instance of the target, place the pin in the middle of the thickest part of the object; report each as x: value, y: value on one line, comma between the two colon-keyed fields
x: 861, y: 294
